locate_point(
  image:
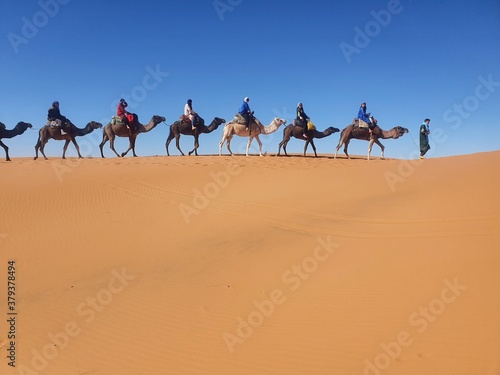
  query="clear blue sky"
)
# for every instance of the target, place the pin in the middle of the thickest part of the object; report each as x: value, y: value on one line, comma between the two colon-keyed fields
x: 408, y: 59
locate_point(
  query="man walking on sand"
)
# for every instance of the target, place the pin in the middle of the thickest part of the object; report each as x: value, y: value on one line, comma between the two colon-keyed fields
x: 424, y: 138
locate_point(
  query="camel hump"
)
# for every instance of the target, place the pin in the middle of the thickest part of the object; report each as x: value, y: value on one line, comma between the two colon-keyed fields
x: 360, y: 131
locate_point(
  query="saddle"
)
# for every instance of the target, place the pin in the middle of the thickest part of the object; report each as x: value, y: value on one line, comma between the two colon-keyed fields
x: 360, y: 123
x: 115, y: 120
x: 54, y: 123
x: 64, y: 128
x: 132, y: 118
x: 239, y: 119
x: 184, y: 118
x: 198, y: 121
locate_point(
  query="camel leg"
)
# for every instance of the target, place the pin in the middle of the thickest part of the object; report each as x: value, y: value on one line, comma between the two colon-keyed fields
x: 228, y: 145
x: 305, y: 146
x: 133, y: 146
x: 260, y: 144
x: 177, y: 139
x: 169, y: 139
x: 346, y: 144
x: 112, y: 143
x: 43, y: 142
x: 249, y: 143
x: 220, y: 146
x: 105, y: 138
x: 338, y: 148
x: 65, y: 147
x: 196, y: 145
x: 77, y: 148
x: 370, y: 145
x: 282, y: 144
x: 314, y: 148
x: 381, y: 147
x: 221, y: 143
x: 285, y: 143
x: 37, y: 146
x: 130, y: 147
x: 6, y: 150
x: 39, y: 143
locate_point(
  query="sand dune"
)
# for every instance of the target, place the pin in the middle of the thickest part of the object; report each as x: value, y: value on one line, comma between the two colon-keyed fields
x: 252, y: 265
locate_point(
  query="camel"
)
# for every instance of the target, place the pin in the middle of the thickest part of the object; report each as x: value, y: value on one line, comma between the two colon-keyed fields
x: 256, y: 128
x: 112, y: 130
x: 19, y: 129
x: 351, y: 132
x: 178, y: 128
x: 297, y: 132
x: 47, y: 132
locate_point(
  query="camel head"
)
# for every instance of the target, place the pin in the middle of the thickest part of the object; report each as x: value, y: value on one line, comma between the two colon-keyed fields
x: 157, y: 119
x: 22, y: 126
x: 94, y: 125
x: 219, y: 121
x: 2, y: 126
x: 332, y: 130
x: 279, y: 121
x: 399, y: 132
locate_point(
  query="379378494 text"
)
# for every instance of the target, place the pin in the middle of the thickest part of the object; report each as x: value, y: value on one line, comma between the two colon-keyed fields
x: 12, y: 313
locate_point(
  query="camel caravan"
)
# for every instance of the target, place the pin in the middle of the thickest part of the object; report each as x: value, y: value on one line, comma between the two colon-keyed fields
x: 244, y: 124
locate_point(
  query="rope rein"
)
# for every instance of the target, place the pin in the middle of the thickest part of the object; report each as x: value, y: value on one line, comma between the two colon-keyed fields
x: 414, y: 141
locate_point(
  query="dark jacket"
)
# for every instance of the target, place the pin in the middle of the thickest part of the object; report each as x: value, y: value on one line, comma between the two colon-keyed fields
x: 55, y: 114
x: 301, y: 116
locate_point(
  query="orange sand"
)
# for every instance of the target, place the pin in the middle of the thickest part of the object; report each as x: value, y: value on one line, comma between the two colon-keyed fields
x: 249, y: 265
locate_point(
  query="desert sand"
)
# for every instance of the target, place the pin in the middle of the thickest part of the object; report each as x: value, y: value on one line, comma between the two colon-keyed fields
x: 251, y: 265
